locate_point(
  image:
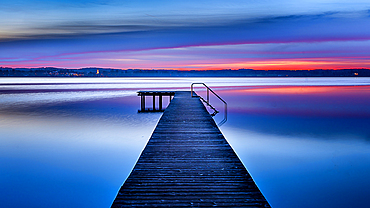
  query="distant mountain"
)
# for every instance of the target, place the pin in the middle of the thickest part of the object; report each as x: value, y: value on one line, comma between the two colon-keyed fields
x: 104, y: 72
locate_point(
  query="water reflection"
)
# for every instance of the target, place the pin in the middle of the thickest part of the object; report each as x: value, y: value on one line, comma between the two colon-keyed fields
x: 303, y: 171
x: 72, y: 142
x: 69, y: 153
x: 314, y: 111
x: 304, y: 146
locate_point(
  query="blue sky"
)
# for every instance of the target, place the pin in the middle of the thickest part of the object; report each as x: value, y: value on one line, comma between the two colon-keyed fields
x: 150, y: 34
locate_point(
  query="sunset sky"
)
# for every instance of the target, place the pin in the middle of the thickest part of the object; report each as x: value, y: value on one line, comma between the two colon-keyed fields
x: 191, y: 34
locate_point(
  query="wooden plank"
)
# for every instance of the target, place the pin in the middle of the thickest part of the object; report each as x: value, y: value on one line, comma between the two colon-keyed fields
x: 150, y: 93
x: 188, y: 162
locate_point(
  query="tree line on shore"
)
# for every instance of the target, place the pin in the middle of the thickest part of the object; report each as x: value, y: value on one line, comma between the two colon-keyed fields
x: 107, y: 72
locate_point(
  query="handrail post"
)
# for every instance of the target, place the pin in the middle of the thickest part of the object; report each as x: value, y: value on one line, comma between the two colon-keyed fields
x: 208, y: 103
x: 192, y: 89
x: 207, y: 95
x: 225, y: 111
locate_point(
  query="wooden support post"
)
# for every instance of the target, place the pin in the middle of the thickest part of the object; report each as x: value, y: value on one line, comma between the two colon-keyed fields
x: 153, y: 102
x: 160, y: 102
x: 142, y: 102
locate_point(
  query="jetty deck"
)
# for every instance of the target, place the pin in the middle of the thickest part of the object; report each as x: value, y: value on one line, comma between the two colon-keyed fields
x: 187, y: 162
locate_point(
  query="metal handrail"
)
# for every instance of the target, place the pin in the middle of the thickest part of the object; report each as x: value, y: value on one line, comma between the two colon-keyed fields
x: 208, y: 90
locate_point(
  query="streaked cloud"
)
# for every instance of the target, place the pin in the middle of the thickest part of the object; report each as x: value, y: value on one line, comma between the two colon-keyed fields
x: 185, y: 34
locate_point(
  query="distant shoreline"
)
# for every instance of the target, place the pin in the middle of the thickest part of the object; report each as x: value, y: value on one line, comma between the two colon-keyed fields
x: 106, y: 72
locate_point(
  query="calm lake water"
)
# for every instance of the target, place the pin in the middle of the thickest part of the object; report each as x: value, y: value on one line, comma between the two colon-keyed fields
x: 71, y: 142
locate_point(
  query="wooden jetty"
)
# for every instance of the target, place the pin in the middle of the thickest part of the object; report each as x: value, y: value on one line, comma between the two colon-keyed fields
x: 187, y: 162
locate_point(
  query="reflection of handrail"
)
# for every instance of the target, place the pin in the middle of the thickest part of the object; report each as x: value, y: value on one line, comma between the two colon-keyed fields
x: 207, y: 101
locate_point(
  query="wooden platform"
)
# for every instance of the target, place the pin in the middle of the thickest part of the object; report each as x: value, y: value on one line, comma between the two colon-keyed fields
x: 188, y: 163
x: 154, y: 94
